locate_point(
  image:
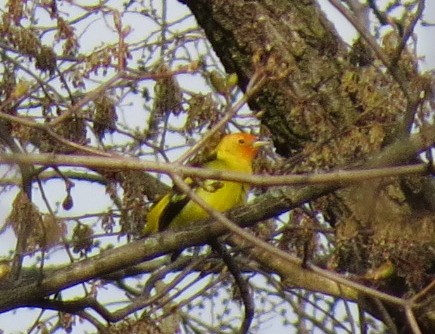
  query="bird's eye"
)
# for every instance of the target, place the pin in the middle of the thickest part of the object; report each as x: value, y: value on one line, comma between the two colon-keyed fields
x: 241, y: 141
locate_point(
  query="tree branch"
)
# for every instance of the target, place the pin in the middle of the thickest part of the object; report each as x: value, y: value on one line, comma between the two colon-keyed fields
x: 267, y: 206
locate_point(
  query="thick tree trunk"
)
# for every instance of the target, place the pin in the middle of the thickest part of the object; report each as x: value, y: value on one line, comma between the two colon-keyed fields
x: 303, y: 56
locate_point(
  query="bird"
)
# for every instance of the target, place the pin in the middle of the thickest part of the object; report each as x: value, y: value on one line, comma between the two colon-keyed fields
x: 236, y: 153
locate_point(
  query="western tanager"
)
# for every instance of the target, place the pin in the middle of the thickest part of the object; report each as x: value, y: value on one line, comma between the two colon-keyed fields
x: 235, y: 152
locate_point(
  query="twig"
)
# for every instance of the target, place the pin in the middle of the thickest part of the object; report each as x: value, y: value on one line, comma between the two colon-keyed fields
x: 397, y: 75
x: 412, y: 321
x: 408, y: 32
x: 386, y: 318
x: 256, y: 82
x: 241, y: 283
x: 23, y: 228
x: 340, y: 177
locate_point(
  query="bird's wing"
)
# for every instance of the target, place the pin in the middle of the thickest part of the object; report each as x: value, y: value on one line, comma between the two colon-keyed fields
x: 175, y: 204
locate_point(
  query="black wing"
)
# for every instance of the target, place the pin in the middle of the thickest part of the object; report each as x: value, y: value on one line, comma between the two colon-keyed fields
x: 174, y: 207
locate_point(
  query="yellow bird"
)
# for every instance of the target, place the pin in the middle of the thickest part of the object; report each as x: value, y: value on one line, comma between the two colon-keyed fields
x: 235, y: 152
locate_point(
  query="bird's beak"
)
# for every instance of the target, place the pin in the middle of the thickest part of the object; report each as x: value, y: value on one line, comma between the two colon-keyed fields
x: 261, y: 143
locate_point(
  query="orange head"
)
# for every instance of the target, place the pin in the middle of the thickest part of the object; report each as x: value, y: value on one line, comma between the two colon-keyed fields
x: 238, y: 148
